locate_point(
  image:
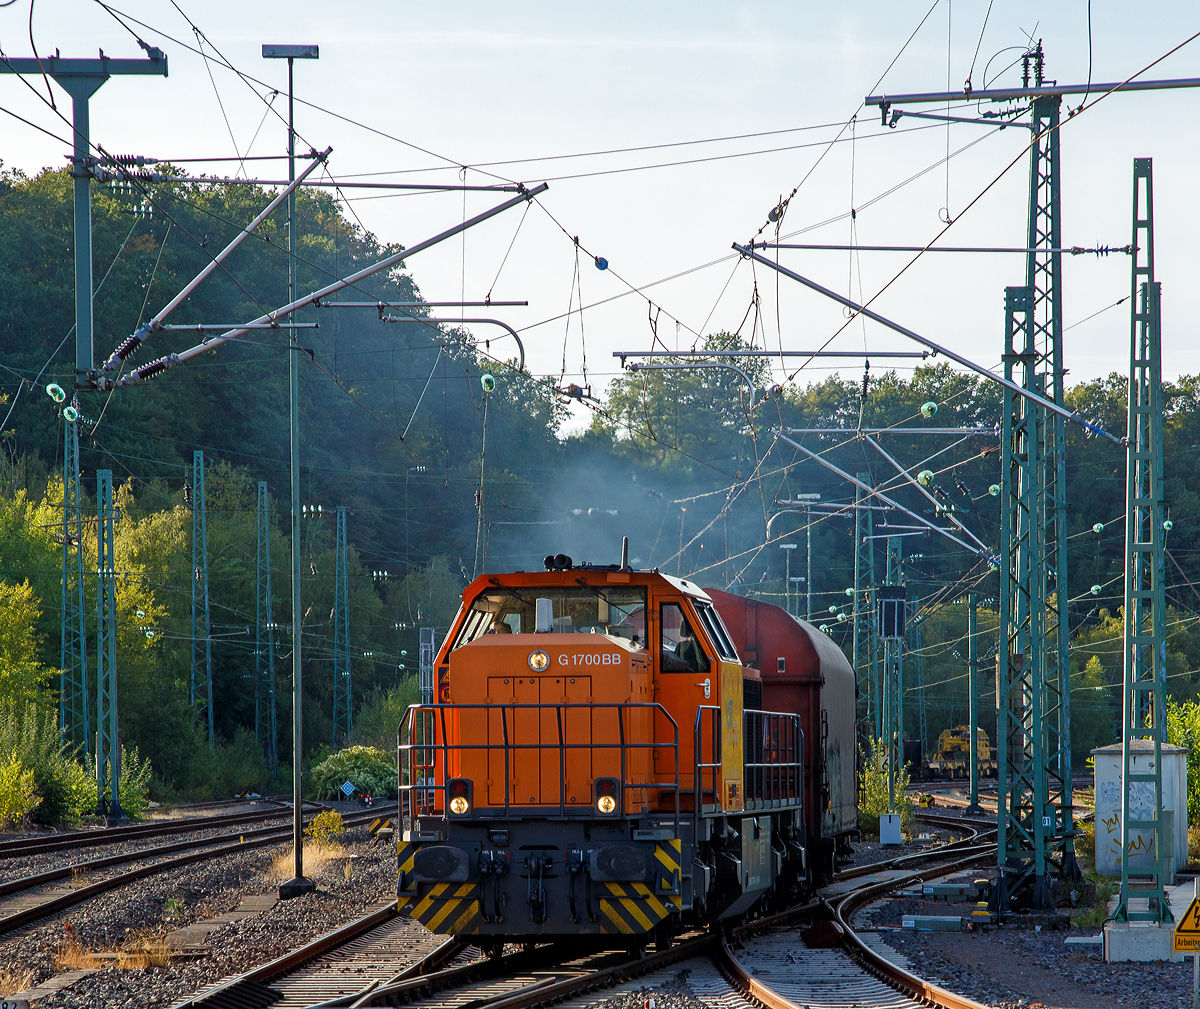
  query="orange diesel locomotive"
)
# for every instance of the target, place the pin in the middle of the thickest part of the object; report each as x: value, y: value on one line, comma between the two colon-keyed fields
x: 591, y: 765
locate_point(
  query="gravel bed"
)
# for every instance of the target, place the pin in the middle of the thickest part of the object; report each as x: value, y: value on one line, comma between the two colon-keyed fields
x: 1014, y: 967
x: 198, y: 892
x: 28, y: 865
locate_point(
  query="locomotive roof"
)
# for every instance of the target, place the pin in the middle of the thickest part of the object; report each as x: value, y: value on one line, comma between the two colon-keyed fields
x: 589, y: 575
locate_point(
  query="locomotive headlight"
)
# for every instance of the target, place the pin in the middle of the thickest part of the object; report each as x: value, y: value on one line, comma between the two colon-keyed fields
x: 539, y: 661
x: 458, y: 796
x: 607, y: 791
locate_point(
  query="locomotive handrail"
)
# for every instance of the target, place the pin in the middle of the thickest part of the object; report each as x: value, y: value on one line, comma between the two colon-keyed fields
x: 700, y: 767
x: 777, y: 733
x: 421, y: 756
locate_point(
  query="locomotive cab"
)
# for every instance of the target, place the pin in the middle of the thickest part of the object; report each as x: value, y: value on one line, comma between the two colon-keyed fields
x: 589, y: 766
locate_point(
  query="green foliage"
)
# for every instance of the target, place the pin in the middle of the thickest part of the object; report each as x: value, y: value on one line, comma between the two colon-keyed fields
x: 379, y: 718
x: 325, y: 827
x: 135, y: 783
x: 30, y: 735
x: 367, y: 769
x: 22, y: 676
x: 240, y: 765
x: 873, y: 794
x: 1183, y: 729
x: 18, y: 793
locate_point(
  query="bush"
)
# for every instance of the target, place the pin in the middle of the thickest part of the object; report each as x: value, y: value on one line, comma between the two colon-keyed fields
x: 18, y: 793
x: 324, y: 827
x: 367, y: 769
x: 379, y: 717
x: 30, y: 734
x: 135, y: 783
x: 873, y: 800
x: 240, y: 765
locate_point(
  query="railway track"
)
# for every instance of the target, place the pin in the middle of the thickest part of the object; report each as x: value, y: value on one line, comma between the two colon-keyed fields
x: 355, y: 966
x: 21, y: 847
x: 26, y: 900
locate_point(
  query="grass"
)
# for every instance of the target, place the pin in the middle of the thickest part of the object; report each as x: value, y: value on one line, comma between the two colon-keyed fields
x: 1094, y: 916
x: 144, y: 948
x: 13, y: 981
x: 316, y: 857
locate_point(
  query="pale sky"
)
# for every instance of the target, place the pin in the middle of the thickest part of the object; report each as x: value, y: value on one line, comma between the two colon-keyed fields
x: 479, y: 83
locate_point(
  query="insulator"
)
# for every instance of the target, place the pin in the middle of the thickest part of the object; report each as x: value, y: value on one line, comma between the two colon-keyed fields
x: 70, y: 414
x: 128, y: 346
x: 55, y: 392
x: 1095, y: 590
x: 928, y: 409
x: 994, y: 490
x: 1098, y: 528
x: 1168, y: 525
x: 925, y: 477
x: 488, y: 382
x: 601, y: 263
x: 148, y: 371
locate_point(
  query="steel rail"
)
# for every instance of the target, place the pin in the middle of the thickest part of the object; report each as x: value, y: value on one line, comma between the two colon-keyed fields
x: 19, y: 847
x: 26, y: 915
x: 882, y: 968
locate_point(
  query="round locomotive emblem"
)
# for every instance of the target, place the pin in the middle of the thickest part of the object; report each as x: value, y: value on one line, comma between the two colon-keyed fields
x: 539, y: 661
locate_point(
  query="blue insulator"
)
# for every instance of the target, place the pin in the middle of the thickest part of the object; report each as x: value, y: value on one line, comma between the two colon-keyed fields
x: 601, y: 263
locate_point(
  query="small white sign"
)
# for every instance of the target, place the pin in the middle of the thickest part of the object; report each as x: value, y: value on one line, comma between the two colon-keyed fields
x: 348, y: 789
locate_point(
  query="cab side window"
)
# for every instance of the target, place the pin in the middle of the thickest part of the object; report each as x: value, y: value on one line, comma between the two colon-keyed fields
x: 680, y: 652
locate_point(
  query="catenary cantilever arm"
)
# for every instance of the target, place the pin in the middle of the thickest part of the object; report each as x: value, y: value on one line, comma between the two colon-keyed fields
x: 148, y: 371
x: 129, y: 345
x: 979, y: 369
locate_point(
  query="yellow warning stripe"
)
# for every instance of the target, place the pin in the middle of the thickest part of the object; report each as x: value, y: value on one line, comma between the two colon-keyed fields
x: 448, y: 906
x: 661, y: 852
x: 655, y: 904
x: 471, y: 912
x: 438, y: 890
x: 611, y: 913
x: 636, y: 913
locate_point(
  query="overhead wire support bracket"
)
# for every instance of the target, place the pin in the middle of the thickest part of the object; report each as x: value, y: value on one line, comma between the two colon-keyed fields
x: 1069, y: 415
x: 994, y: 430
x: 495, y: 322
x: 1018, y: 94
x: 148, y: 371
x: 688, y: 354
x: 1074, y: 250
x: 696, y: 366
x: 381, y: 305
x: 131, y: 343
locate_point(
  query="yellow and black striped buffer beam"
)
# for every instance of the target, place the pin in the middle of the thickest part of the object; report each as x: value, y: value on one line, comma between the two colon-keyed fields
x: 633, y: 908
x: 449, y: 909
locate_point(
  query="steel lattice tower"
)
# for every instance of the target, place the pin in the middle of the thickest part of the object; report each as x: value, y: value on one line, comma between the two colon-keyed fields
x: 108, y: 741
x: 265, y: 729
x: 342, y: 711
x: 1144, y: 710
x: 73, y: 699
x: 201, y: 679
x: 1036, y: 824
x: 893, y: 684
x: 866, y: 631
